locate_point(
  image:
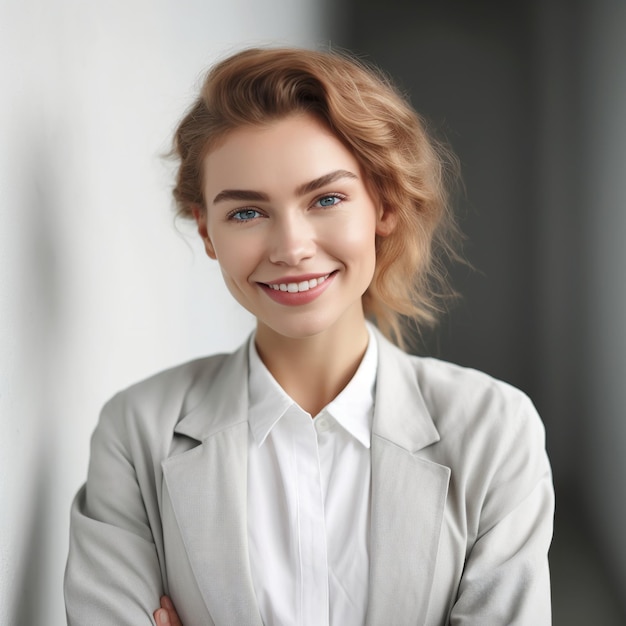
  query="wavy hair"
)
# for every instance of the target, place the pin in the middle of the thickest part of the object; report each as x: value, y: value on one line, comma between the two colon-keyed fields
x: 406, y: 169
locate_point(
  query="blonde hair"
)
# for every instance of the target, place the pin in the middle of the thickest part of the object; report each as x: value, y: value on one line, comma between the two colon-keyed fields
x: 404, y: 168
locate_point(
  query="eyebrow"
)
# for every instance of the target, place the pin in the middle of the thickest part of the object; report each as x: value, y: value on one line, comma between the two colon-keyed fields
x: 258, y: 196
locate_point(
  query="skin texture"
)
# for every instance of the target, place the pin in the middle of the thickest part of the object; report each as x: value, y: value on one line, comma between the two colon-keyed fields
x: 286, y: 202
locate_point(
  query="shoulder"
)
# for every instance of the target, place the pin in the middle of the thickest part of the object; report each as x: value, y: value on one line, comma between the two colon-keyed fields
x: 147, y: 412
x: 458, y: 397
x: 477, y: 415
x: 490, y: 432
x: 489, y: 435
x: 467, y: 393
x: 176, y: 384
x: 477, y: 422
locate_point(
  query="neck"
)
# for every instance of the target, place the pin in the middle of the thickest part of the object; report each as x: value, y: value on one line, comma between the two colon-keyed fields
x: 313, y: 370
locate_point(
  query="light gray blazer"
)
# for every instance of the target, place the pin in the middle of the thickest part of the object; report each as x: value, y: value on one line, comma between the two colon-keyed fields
x: 462, y: 501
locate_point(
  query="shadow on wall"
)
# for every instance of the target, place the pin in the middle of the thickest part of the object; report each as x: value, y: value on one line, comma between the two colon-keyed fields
x: 32, y: 587
x: 582, y: 593
x: 38, y: 304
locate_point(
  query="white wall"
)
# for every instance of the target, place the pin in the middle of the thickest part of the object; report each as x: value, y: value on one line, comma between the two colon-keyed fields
x: 97, y: 289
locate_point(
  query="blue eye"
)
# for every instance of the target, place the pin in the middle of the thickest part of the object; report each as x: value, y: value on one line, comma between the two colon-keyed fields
x: 331, y: 200
x: 245, y: 215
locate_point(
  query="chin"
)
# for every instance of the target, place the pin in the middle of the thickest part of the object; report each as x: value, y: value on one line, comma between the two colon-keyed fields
x: 298, y: 329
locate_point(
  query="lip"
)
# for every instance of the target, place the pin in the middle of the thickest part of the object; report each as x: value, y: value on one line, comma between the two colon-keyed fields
x: 297, y: 298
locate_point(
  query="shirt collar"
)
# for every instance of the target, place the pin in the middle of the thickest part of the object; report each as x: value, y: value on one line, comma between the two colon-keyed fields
x: 353, y: 408
x: 267, y: 400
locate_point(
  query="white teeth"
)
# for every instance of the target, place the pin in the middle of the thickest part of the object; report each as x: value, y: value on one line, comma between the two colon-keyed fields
x: 305, y: 285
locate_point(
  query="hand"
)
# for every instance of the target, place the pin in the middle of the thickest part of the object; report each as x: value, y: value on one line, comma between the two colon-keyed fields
x: 166, y: 615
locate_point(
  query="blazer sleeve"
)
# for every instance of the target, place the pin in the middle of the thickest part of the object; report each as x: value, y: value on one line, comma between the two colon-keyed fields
x: 506, y: 578
x: 113, y: 574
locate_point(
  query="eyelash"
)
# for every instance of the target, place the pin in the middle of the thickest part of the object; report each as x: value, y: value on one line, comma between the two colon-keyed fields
x: 338, y: 196
x: 232, y: 217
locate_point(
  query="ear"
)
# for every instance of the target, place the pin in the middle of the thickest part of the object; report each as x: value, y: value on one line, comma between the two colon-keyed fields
x: 199, y: 215
x: 385, y: 222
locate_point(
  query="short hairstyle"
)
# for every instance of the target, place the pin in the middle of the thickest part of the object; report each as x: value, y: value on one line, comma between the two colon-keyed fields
x: 405, y: 169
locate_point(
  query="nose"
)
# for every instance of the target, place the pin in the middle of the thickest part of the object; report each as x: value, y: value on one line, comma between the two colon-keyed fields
x: 292, y: 240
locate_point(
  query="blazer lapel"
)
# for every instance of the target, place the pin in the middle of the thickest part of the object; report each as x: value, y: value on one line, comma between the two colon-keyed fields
x: 207, y: 488
x: 408, y: 496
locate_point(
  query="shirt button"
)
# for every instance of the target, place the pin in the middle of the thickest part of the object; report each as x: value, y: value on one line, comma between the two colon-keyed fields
x: 322, y: 424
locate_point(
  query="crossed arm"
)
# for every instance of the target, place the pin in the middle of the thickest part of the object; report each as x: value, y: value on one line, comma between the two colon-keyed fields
x: 113, y: 534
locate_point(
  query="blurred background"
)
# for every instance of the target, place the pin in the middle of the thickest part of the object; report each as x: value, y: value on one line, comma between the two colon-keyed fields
x: 99, y: 287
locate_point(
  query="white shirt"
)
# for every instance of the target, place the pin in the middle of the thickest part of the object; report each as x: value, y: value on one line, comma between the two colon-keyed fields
x: 309, y: 500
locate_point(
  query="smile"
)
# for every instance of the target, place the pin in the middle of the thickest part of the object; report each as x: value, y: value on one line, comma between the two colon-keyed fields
x: 299, y: 292
x: 304, y: 285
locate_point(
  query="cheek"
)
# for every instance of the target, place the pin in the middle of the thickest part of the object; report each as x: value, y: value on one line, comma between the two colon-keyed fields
x: 236, y: 256
x: 358, y: 240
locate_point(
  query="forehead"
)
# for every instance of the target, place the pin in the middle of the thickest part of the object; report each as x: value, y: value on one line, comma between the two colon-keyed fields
x: 291, y: 150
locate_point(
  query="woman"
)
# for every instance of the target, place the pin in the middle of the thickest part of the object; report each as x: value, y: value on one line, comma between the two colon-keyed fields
x: 318, y: 475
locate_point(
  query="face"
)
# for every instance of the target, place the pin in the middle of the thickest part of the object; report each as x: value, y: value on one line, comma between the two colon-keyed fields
x: 292, y: 225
